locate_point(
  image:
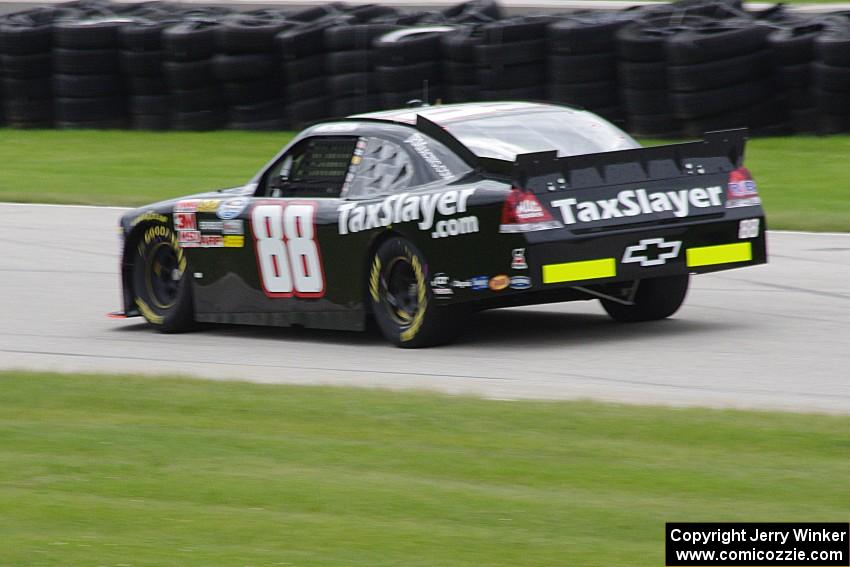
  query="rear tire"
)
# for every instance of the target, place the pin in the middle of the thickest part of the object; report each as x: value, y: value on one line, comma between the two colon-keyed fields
x: 161, y: 290
x: 656, y: 298
x: 402, y: 302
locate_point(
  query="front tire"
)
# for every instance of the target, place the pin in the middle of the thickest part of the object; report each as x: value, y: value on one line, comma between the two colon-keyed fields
x: 656, y: 298
x: 402, y: 301
x: 161, y: 290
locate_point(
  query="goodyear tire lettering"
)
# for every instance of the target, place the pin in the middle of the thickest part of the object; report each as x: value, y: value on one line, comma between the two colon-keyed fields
x: 421, y: 295
x: 148, y: 313
x: 374, y: 278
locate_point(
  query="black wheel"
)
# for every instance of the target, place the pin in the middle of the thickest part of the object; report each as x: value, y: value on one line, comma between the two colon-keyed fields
x: 656, y: 298
x: 402, y: 302
x: 161, y: 290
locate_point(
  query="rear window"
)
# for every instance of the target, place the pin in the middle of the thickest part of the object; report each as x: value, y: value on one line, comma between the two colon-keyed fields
x: 569, y: 132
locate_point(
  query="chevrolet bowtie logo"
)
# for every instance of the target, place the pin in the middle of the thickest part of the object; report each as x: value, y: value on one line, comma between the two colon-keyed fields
x: 652, y: 252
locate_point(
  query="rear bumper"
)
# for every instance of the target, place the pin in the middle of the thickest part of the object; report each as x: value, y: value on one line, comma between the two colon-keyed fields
x: 632, y: 255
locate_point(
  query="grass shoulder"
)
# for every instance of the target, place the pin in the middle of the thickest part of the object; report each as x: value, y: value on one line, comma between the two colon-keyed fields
x: 166, y: 471
x: 804, y: 181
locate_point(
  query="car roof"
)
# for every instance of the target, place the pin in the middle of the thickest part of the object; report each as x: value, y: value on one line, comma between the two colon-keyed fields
x: 504, y: 130
x: 445, y: 114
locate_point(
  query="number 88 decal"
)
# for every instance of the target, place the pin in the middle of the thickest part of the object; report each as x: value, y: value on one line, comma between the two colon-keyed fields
x: 287, y: 253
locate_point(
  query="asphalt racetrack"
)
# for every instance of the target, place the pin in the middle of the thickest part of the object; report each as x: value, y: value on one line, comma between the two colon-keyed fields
x: 775, y: 336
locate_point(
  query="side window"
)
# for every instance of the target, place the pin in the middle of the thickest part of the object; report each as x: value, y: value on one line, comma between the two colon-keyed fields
x: 315, y: 167
x: 380, y: 167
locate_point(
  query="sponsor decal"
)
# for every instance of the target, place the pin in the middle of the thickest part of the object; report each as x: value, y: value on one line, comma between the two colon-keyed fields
x: 748, y: 228
x: 231, y: 208
x: 233, y: 226
x: 520, y: 282
x: 741, y: 191
x: 185, y: 221
x: 500, y: 282
x: 441, y: 286
x: 461, y: 284
x: 455, y: 227
x: 420, y: 145
x: 530, y: 210
x: 189, y: 238
x: 212, y: 241
x: 231, y: 241
x: 652, y: 252
x: 211, y: 225
x: 194, y: 239
x: 635, y: 203
x: 208, y: 205
x: 149, y: 216
x: 479, y: 282
x: 518, y: 259
x: 404, y: 207
x: 186, y: 206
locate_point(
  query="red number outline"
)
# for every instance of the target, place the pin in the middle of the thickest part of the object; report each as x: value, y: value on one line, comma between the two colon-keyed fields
x: 283, y: 204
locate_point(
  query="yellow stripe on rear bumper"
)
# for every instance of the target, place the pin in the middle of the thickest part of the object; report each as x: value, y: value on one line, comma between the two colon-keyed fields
x: 721, y: 254
x: 575, y: 271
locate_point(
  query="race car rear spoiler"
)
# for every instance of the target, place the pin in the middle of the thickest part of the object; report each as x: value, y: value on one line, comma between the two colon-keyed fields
x: 539, y: 172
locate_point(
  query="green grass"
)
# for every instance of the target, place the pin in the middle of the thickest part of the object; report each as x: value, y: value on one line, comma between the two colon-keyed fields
x: 161, y: 472
x: 804, y: 181
x: 127, y: 168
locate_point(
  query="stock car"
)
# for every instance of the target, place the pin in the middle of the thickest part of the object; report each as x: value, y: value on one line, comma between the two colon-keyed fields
x: 420, y: 216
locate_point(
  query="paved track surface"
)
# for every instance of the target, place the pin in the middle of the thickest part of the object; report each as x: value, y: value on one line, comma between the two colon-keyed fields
x: 775, y: 336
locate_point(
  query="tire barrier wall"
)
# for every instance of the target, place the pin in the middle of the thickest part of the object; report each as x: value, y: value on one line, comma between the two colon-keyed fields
x: 659, y: 70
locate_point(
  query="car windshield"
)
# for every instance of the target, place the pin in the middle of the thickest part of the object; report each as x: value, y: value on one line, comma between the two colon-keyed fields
x: 569, y: 132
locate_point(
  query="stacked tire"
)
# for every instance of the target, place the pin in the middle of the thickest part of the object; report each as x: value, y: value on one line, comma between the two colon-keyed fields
x: 302, y: 50
x: 511, y: 59
x: 582, y: 64
x: 350, y: 62
x: 143, y: 61
x: 832, y: 78
x: 197, y: 99
x: 642, y: 71
x: 460, y: 72
x: 247, y: 68
x: 25, y: 60
x: 793, y: 53
x: 409, y: 65
x: 473, y: 12
x: 87, y: 80
x: 721, y: 76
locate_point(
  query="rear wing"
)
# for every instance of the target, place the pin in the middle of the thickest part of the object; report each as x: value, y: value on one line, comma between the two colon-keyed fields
x: 539, y: 172
x: 718, y: 152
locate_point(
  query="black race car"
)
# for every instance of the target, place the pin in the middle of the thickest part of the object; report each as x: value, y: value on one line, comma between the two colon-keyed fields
x: 418, y: 217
